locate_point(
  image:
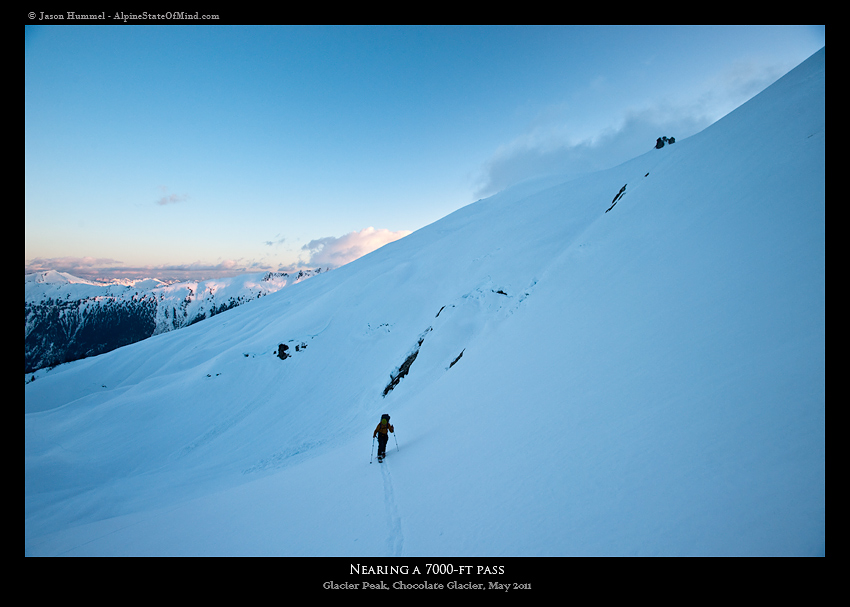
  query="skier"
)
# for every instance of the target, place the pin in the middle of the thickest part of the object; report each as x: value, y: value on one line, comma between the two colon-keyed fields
x: 381, y: 432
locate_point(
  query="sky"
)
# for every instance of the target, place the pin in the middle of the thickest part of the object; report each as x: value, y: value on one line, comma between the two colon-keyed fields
x: 193, y: 152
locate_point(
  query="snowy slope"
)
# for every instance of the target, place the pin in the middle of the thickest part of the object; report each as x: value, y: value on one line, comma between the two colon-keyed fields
x: 646, y: 380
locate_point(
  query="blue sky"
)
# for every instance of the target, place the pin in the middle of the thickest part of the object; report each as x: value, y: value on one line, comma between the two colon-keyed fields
x: 202, y: 151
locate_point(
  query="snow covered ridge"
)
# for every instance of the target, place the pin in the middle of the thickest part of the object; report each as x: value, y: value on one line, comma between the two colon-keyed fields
x: 648, y: 380
x: 68, y: 318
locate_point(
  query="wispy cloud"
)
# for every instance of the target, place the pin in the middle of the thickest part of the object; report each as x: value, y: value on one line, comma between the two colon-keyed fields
x: 104, y: 269
x: 167, y: 198
x: 550, y: 148
x: 527, y: 158
x: 82, y: 267
x: 327, y: 253
x: 277, y: 240
x: 333, y: 252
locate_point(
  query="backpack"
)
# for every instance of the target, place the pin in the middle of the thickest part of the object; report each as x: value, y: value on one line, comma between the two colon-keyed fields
x: 385, y: 419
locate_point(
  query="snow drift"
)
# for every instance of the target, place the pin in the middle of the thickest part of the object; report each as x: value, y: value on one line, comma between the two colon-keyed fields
x: 644, y: 381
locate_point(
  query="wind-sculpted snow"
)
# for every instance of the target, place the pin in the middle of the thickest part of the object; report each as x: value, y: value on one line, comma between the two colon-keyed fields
x: 644, y: 381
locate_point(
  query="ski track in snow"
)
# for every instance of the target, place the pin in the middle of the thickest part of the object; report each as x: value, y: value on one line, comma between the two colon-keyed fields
x: 395, y: 539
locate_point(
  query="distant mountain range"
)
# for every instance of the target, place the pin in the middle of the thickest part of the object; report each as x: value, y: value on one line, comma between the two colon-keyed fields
x: 68, y: 318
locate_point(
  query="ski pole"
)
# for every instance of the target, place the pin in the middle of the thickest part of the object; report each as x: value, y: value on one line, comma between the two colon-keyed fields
x: 396, y: 441
x: 371, y: 453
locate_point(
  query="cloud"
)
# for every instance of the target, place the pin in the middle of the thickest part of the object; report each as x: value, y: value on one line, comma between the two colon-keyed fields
x: 332, y: 252
x: 527, y: 158
x: 550, y: 148
x: 167, y: 198
x: 326, y: 253
x: 82, y: 267
x: 105, y: 270
x: 740, y: 81
x: 277, y: 241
